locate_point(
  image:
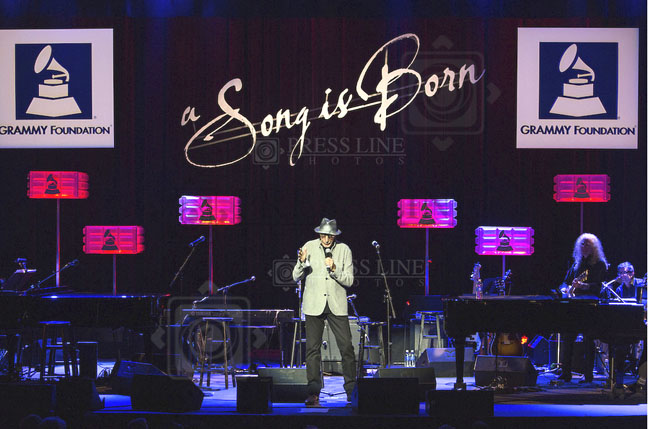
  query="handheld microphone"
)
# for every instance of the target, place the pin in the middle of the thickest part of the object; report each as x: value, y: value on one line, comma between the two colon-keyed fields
x: 352, y: 297
x: 328, y: 254
x: 197, y: 241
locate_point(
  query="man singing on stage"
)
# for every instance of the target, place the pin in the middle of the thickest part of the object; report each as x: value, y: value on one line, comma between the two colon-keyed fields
x: 327, y: 267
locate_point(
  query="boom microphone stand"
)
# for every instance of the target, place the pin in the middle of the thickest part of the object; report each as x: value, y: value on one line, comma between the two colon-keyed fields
x: 391, y: 313
x: 225, y: 289
x: 36, y: 287
x: 193, y: 245
x: 607, y: 286
x: 363, y: 333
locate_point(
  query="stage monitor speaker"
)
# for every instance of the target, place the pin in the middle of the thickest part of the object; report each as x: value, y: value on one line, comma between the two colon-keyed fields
x: 253, y: 394
x: 165, y: 393
x: 459, y: 404
x: 425, y: 376
x: 288, y: 384
x: 442, y: 359
x: 21, y: 399
x: 386, y: 396
x: 542, y: 351
x: 509, y: 371
x: 88, y: 356
x: 121, y: 377
x: 173, y: 364
x: 77, y: 395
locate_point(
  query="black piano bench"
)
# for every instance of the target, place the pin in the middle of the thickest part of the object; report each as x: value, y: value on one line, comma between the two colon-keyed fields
x: 52, y: 330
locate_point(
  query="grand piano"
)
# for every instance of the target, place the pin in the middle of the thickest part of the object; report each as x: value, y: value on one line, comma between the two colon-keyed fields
x: 20, y: 310
x: 138, y: 312
x: 611, y: 322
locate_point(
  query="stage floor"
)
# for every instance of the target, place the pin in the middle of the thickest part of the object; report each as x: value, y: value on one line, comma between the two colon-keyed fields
x: 548, y: 405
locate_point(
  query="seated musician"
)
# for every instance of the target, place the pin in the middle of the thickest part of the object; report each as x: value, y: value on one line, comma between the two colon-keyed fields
x: 629, y: 288
x: 584, y: 278
x: 629, y: 285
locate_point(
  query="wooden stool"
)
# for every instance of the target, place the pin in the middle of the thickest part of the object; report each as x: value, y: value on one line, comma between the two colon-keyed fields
x: 206, y: 337
x: 51, y: 331
x: 381, y: 344
x: 437, y: 340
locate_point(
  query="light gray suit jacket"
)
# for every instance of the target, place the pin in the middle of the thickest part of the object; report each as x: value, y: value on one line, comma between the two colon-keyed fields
x: 320, y: 286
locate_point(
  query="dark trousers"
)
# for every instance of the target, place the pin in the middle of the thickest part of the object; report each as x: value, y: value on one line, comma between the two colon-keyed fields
x: 342, y: 331
x: 620, y: 352
x: 568, y: 347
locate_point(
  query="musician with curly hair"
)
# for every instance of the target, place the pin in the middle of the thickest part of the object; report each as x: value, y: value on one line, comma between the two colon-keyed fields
x: 584, y: 279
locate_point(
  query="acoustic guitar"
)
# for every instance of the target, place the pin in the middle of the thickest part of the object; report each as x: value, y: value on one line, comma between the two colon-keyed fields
x: 568, y: 291
x: 505, y: 344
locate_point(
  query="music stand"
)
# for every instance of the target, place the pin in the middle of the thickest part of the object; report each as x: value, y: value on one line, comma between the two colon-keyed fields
x: 19, y: 280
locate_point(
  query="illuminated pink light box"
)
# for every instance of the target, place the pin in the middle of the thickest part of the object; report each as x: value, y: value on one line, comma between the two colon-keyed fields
x: 200, y: 210
x: 113, y: 239
x: 420, y: 213
x: 582, y: 188
x: 57, y: 184
x: 504, y: 240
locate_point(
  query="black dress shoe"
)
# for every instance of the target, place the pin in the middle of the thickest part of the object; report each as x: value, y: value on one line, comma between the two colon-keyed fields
x: 565, y: 377
x: 312, y: 401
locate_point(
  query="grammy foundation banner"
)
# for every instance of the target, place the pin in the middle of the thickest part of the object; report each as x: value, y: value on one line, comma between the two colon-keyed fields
x: 57, y: 88
x: 577, y: 88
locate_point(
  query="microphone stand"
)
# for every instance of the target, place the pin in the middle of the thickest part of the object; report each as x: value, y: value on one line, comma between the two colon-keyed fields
x: 66, y: 266
x: 607, y: 286
x: 225, y: 289
x: 391, y: 313
x: 193, y: 249
x: 363, y: 333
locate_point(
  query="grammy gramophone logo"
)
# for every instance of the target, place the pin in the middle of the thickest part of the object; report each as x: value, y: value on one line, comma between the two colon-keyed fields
x: 578, y: 80
x: 53, y: 96
x: 578, y: 97
x: 53, y: 81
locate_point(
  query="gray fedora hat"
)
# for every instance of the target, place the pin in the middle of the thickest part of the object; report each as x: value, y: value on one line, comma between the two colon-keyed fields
x: 328, y: 227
